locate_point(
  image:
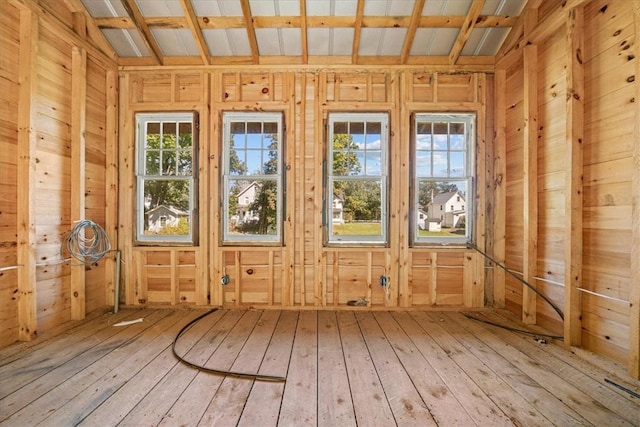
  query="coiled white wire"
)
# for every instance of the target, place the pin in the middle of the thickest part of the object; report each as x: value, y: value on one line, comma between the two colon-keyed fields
x: 87, y: 242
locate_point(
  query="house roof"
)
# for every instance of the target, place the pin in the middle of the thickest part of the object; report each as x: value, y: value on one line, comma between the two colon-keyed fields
x: 336, y: 32
x: 171, y: 209
x: 247, y: 187
x: 443, y: 198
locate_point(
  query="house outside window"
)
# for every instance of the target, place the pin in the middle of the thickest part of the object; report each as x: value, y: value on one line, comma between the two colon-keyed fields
x: 252, y: 178
x: 442, y: 177
x: 165, y: 177
x: 357, y: 169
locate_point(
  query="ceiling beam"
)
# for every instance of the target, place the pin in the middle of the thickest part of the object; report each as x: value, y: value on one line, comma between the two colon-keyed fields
x: 93, y: 31
x: 251, y: 32
x: 411, y: 31
x: 517, y: 30
x: 213, y: 22
x: 545, y: 28
x: 465, y: 31
x: 192, y: 21
x: 357, y: 31
x: 141, y: 25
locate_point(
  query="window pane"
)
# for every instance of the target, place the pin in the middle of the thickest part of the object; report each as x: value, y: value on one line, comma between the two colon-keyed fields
x: 270, y: 128
x: 340, y: 128
x: 440, y: 163
x: 456, y: 136
x: 356, y: 204
x: 254, y: 140
x: 423, y: 163
x: 346, y: 163
x: 375, y: 129
x: 254, y: 161
x: 440, y: 136
x: 185, y: 163
x: 442, y: 177
x: 252, y: 202
x: 237, y: 163
x: 238, y: 134
x: 456, y: 164
x: 373, y: 163
x: 152, y: 163
x: 356, y: 208
x: 423, y: 128
x: 442, y: 208
x: 252, y: 207
x: 166, y: 190
x: 186, y: 135
x: 166, y: 207
x: 153, y: 135
x: 270, y: 166
x: 168, y: 162
x: 356, y: 128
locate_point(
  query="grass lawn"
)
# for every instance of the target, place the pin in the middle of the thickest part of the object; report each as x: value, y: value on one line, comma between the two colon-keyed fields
x: 357, y: 229
x: 449, y: 232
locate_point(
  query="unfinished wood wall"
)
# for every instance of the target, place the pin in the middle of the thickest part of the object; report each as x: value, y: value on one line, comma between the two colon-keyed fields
x: 303, y: 272
x: 569, y: 105
x: 51, y: 133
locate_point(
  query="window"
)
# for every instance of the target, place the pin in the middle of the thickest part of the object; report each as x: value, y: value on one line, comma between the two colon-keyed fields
x: 166, y: 185
x: 252, y: 177
x: 442, y: 178
x: 357, y: 178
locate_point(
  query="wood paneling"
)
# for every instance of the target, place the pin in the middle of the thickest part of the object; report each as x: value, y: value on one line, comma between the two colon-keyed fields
x: 59, y: 100
x: 10, y: 88
x: 304, y: 271
x: 586, y: 96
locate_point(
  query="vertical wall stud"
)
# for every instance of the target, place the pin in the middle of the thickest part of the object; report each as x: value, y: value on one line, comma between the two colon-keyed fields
x: 573, y: 177
x: 499, y: 187
x: 405, y: 285
x: 477, y: 283
x: 530, y: 193
x: 634, y: 295
x: 78, y: 146
x: 26, y: 167
x: 111, y: 180
x: 202, y: 254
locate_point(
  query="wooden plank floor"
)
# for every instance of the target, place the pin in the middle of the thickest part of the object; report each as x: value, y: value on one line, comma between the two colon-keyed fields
x: 342, y: 368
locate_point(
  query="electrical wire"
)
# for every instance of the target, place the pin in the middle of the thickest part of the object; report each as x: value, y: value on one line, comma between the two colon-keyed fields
x: 509, y: 328
x: 185, y: 328
x: 524, y: 282
x: 87, y: 242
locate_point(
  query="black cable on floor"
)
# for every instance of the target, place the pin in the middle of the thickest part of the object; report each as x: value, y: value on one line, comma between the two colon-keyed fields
x: 519, y: 279
x: 509, y: 328
x: 244, y: 375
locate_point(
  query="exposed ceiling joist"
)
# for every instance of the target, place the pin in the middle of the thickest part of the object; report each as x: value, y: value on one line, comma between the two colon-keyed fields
x: 251, y: 32
x: 194, y: 26
x: 143, y: 28
x: 303, y: 28
x: 411, y: 32
x: 364, y: 32
x: 358, y: 30
x: 465, y: 31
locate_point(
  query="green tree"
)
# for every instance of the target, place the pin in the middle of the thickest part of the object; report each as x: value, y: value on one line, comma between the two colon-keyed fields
x: 167, y: 157
x: 344, y: 163
x: 362, y: 201
x: 266, y: 201
x: 236, y: 167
